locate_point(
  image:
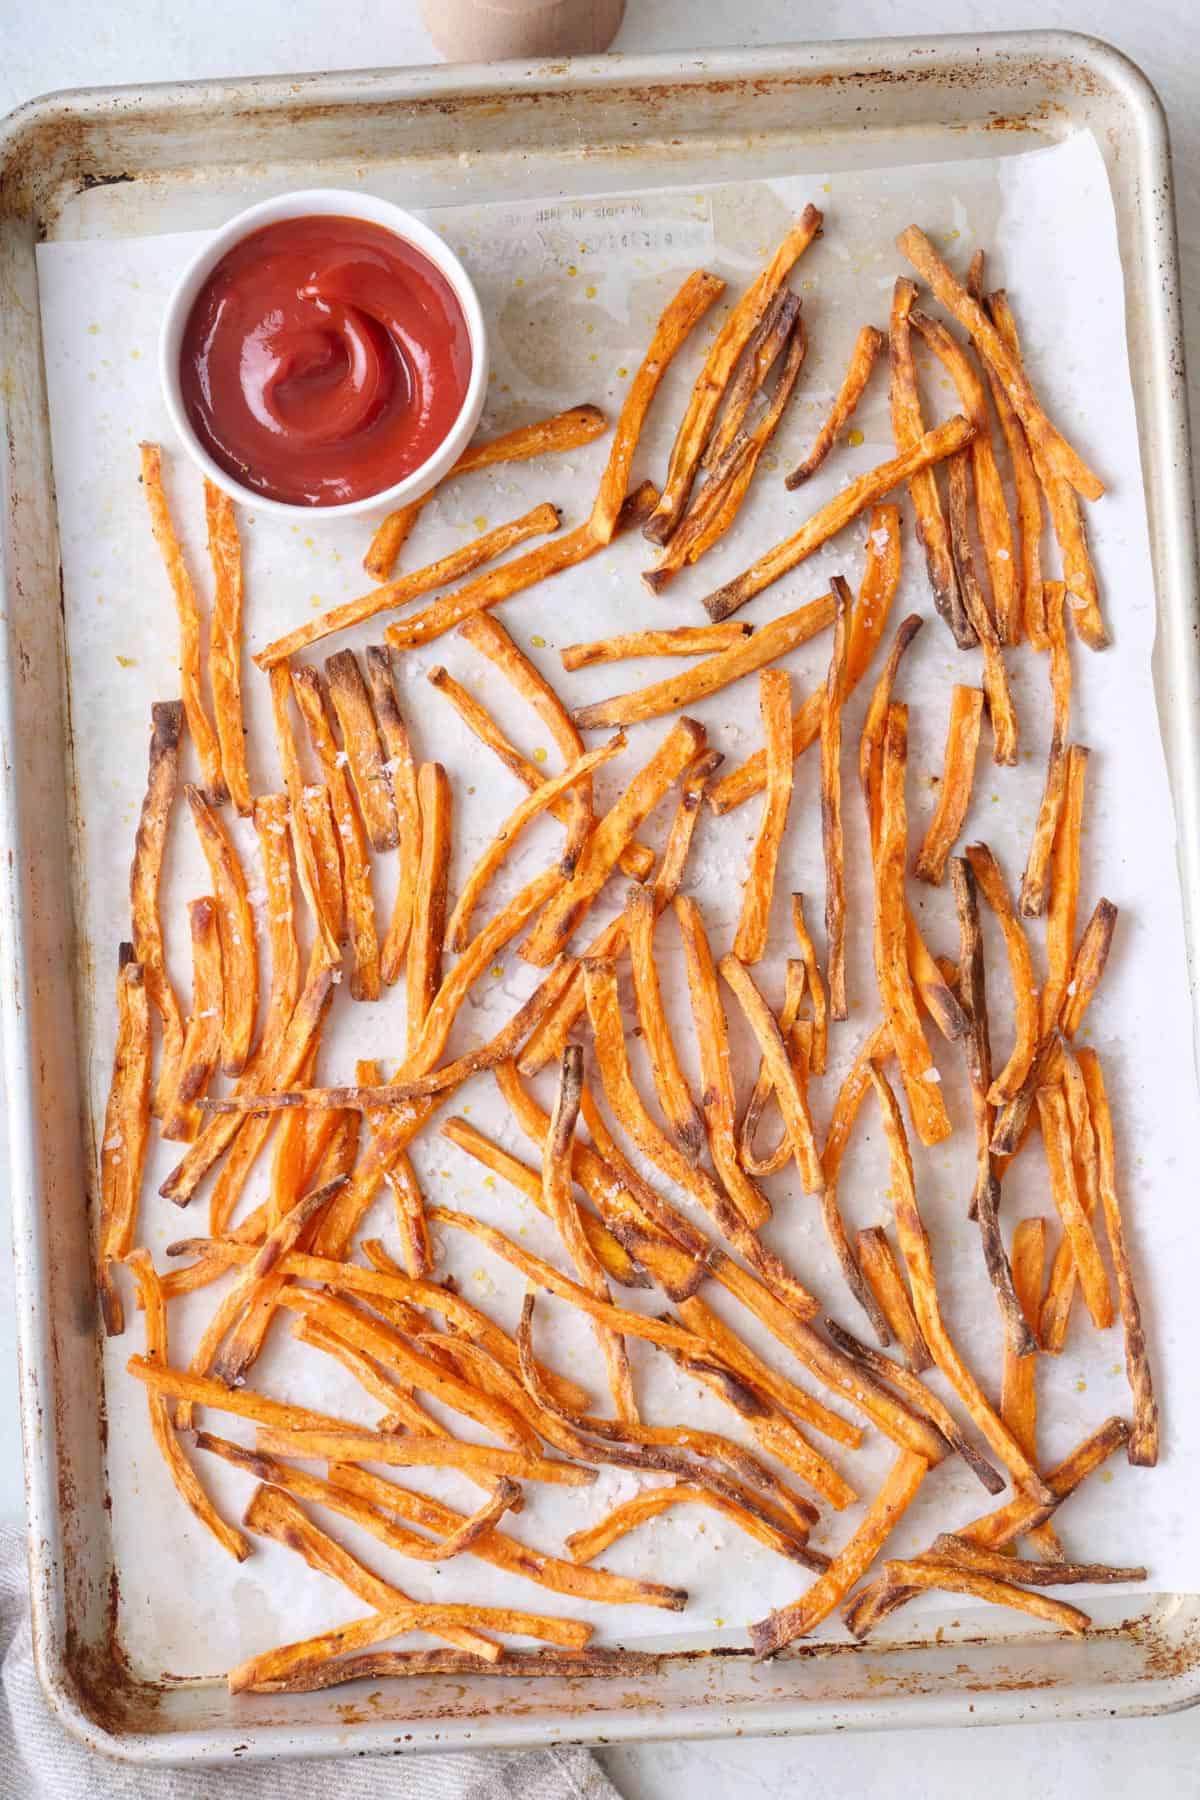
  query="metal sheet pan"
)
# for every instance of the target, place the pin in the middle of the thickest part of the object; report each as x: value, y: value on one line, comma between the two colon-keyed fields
x: 125, y: 163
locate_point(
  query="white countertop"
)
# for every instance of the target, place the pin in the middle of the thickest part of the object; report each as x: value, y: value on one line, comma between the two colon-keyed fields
x: 70, y: 43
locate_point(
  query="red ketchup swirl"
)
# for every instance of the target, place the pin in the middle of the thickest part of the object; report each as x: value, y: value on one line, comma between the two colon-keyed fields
x: 323, y: 360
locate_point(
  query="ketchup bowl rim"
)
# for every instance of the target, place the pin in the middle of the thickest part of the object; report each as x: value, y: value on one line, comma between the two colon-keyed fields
x: 337, y: 203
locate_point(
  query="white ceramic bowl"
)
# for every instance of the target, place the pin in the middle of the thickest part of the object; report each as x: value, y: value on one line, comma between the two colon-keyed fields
x: 343, y: 204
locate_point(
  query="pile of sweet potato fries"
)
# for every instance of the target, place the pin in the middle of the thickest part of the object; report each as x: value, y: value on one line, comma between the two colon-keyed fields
x: 667, y: 1195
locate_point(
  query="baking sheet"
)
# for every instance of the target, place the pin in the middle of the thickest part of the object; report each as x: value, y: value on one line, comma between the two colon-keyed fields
x: 571, y: 291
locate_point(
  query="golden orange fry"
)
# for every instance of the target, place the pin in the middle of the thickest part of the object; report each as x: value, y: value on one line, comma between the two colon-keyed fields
x: 317, y: 809
x: 225, y: 642
x: 235, y: 925
x: 1029, y: 503
x: 880, y: 1268
x: 670, y: 1085
x: 567, y: 430
x: 676, y: 640
x: 307, y: 867
x: 867, y: 346
x: 789, y: 1019
x: 954, y: 788
x: 202, y: 1038
x: 187, y: 608
x: 1056, y: 1135
x: 394, y: 735
x: 774, y: 690
x: 595, y: 1539
x: 987, y: 873
x: 126, y: 1135
x: 836, y: 514
x: 427, y: 931
x: 1035, y: 884
x: 1064, y: 889
x: 464, y: 561
x: 921, y: 1574
x: 832, y: 833
x: 365, y: 978
x: 145, y: 874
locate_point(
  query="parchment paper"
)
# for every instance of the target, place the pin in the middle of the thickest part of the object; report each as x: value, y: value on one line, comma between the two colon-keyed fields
x: 571, y: 291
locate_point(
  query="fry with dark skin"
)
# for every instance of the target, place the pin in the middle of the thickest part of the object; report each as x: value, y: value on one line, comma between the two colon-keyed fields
x: 867, y: 346
x: 202, y: 1038
x: 699, y: 418
x: 679, y: 318
x: 954, y: 788
x: 595, y: 1539
x: 1025, y: 486
x: 854, y: 499
x: 145, y: 875
x: 235, y: 925
x: 307, y: 867
x: 562, y: 431
x: 991, y: 508
x: 988, y: 875
x: 1049, y: 447
x: 1056, y: 1135
x: 957, y: 1580
x: 365, y: 978
x: 880, y: 581
x: 364, y: 753
x: 392, y: 594
x: 674, y: 1097
x: 394, y: 735
x: 908, y: 427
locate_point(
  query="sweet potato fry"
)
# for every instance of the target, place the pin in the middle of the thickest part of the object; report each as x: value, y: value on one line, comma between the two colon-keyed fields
x: 186, y: 1482
x: 867, y: 346
x: 502, y: 1552
x: 276, y: 1071
x: 758, y: 1166
x: 793, y: 1102
x: 355, y: 1445
x: 1065, y: 517
x: 274, y: 1514
x: 604, y: 1012
x: 235, y: 925
x: 815, y: 986
x: 891, y: 949
x: 681, y: 315
x: 832, y: 834
x: 921, y: 1400
x: 1018, y: 1379
x: 676, y: 640
x: 558, y: 1202
x: 846, y: 1107
x: 991, y: 508
x: 484, y: 632
x: 762, y: 349
x: 611, y: 1254
x: 322, y: 835
x: 1027, y: 493
x: 718, y: 1099
x: 393, y: 733
x: 918, y: 1260
x: 514, y: 577
x: 719, y: 501
x: 411, y: 1226
x: 1047, y: 444
x: 652, y: 1502
x: 278, y: 1664
x: 1143, y: 1440
x: 987, y: 873
x: 364, y: 752
x: 954, y: 789
x: 202, y: 1038
x: 774, y: 690
x: 699, y: 418
x: 1003, y: 1526
x: 549, y: 1039
x: 225, y: 642
x: 1064, y: 889
x: 427, y: 930
x: 538, y: 520
x: 636, y: 859
x: 957, y: 1580
x: 1005, y: 730
x: 187, y: 608
x: 833, y: 517
x: 882, y: 1272
x: 365, y: 979
x: 908, y: 427
x: 1037, y: 869
x: 531, y: 807
x: 716, y: 672
x: 561, y: 431
x: 565, y: 910
x: 307, y: 867
x: 1064, y: 1188
x: 126, y: 1135
x: 670, y: 1085
x: 880, y: 581
x: 145, y: 874
x: 894, y: 1497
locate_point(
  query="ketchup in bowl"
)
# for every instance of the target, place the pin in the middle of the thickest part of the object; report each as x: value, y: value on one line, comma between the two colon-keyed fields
x: 323, y: 360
